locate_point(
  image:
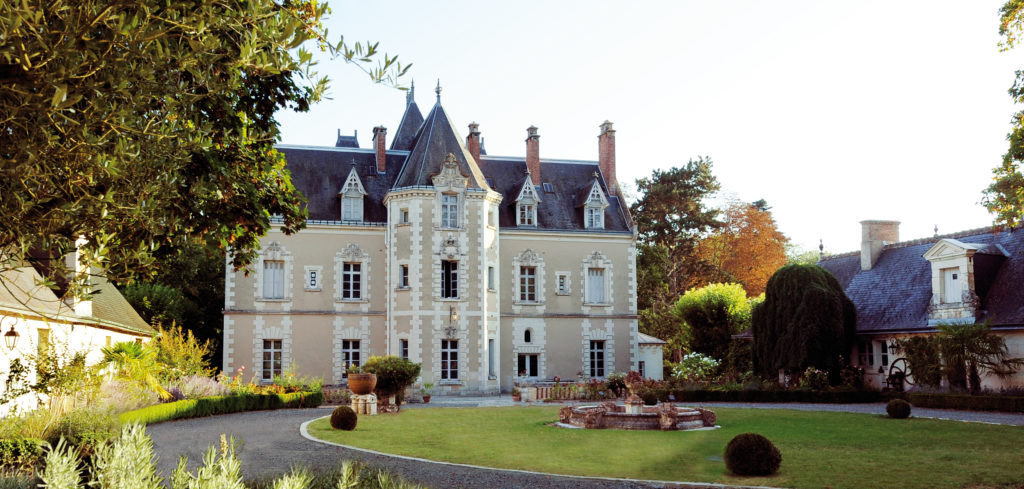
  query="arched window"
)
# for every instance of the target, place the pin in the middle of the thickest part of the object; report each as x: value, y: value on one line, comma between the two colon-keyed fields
x: 528, y: 336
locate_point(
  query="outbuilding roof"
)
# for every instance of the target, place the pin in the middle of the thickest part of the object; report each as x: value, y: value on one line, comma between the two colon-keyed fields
x: 895, y: 294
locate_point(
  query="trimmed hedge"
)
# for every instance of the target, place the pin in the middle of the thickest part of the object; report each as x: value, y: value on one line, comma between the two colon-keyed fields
x: 830, y: 397
x: 1010, y: 404
x: 20, y: 454
x: 210, y: 406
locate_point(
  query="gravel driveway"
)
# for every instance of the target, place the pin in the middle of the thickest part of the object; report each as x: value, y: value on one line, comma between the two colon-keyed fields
x: 272, y: 444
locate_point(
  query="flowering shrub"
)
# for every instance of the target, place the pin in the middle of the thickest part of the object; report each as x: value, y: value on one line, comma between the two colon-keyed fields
x: 196, y: 386
x: 695, y: 367
x: 814, y: 379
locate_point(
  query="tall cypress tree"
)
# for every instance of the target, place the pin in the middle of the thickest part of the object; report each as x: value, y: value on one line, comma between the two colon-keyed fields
x: 806, y: 320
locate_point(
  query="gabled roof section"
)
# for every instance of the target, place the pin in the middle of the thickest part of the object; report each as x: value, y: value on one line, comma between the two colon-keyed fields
x: 528, y: 192
x: 437, y: 138
x: 952, y: 247
x: 412, y: 120
x: 895, y: 294
x: 352, y: 184
x: 594, y: 196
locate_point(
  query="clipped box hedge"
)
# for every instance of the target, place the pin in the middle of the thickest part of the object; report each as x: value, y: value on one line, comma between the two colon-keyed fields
x: 1010, y: 404
x: 830, y: 397
x: 210, y: 406
x: 20, y: 454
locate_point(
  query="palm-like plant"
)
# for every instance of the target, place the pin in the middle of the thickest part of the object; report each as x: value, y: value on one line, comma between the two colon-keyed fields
x: 968, y: 349
x: 137, y: 362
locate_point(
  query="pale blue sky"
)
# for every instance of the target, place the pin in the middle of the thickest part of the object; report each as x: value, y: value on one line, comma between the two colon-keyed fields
x: 834, y: 112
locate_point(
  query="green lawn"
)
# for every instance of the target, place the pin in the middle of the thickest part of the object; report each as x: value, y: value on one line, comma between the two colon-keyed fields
x: 836, y: 450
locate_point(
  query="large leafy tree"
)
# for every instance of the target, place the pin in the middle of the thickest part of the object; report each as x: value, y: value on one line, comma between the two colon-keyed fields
x: 139, y: 128
x: 1005, y: 196
x: 748, y: 248
x: 711, y: 315
x: 672, y: 215
x: 806, y: 320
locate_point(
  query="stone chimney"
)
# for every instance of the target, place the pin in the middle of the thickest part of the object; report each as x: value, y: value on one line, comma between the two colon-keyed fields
x: 874, y: 236
x: 533, y: 154
x: 606, y: 155
x: 473, y: 141
x: 379, y: 135
x: 80, y: 274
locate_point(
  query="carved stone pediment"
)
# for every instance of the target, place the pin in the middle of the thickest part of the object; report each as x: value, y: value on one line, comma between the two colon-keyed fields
x: 451, y: 177
x: 352, y: 252
x: 450, y: 247
x: 273, y: 251
x: 529, y: 258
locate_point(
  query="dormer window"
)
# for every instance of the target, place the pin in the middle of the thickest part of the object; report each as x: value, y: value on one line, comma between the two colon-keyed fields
x: 961, y: 276
x: 526, y: 204
x: 351, y: 195
x: 594, y: 206
x: 527, y: 215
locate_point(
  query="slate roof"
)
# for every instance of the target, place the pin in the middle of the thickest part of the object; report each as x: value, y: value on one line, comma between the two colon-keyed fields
x: 436, y: 139
x: 894, y: 295
x: 109, y: 307
x: 319, y: 172
x: 347, y: 141
x: 412, y: 120
x: 650, y: 340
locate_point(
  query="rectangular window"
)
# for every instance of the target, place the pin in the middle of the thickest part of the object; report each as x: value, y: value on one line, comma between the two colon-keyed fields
x: 952, y: 291
x: 883, y: 348
x: 643, y: 369
x: 596, y: 358
x: 528, y: 364
x: 866, y: 353
x: 404, y: 349
x: 563, y: 284
x: 449, y: 359
x: 273, y: 279
x: 526, y: 215
x: 491, y: 367
x: 595, y: 218
x: 352, y: 209
x: 271, y: 359
x: 528, y: 284
x: 403, y: 216
x: 449, y: 211
x: 313, y: 278
x: 349, y: 355
x: 351, y: 281
x: 449, y: 279
x: 403, y: 276
x: 595, y: 286
x: 490, y: 278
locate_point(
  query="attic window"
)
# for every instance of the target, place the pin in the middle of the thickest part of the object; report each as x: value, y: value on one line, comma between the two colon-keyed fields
x: 593, y: 209
x: 548, y: 188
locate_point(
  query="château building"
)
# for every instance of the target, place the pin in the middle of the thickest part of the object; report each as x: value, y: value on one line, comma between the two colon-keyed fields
x: 484, y: 269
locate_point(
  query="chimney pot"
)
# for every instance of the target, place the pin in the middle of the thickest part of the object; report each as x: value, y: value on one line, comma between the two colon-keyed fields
x: 379, y: 135
x: 874, y: 236
x: 473, y: 141
x: 606, y: 155
x: 533, y: 154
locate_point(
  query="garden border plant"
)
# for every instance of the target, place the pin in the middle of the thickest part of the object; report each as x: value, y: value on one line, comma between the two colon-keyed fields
x: 211, y: 406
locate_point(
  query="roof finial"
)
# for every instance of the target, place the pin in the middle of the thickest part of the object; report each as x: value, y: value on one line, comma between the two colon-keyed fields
x: 936, y: 230
x: 438, y: 90
x: 410, y: 97
x: 596, y: 175
x: 821, y: 250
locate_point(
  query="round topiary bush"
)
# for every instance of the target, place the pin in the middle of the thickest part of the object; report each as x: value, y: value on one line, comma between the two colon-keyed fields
x: 344, y: 418
x: 898, y: 409
x: 752, y: 454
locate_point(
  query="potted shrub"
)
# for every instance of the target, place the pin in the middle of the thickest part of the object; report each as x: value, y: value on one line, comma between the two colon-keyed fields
x: 427, y: 390
x: 394, y: 375
x: 516, y: 395
x: 360, y: 383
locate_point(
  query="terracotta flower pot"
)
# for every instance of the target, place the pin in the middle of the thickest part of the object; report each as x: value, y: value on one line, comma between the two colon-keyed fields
x: 426, y: 398
x: 362, y: 384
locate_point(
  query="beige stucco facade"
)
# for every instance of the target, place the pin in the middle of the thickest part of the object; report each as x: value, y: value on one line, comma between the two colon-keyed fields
x: 488, y: 318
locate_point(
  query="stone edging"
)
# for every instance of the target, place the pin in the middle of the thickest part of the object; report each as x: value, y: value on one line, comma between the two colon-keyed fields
x: 304, y: 431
